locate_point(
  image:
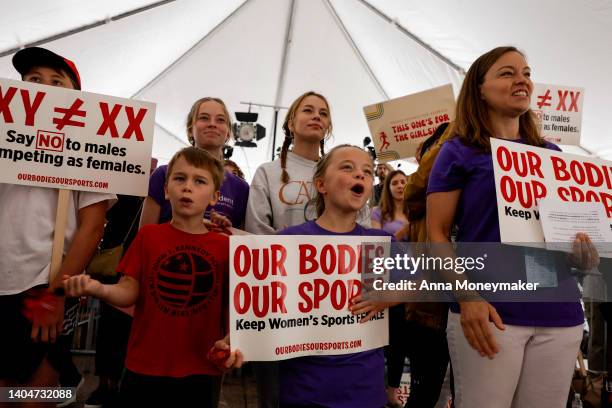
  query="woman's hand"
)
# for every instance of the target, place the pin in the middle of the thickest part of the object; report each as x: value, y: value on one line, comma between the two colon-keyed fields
x: 475, y: 318
x: 584, y: 254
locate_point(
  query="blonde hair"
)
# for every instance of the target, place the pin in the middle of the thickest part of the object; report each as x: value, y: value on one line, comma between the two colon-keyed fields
x: 319, y: 173
x: 194, y: 112
x: 289, y: 136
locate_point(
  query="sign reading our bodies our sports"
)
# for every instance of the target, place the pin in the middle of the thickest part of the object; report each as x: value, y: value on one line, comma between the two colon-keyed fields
x: 525, y: 174
x: 290, y: 296
x: 399, y: 125
x: 61, y: 138
x: 559, y: 112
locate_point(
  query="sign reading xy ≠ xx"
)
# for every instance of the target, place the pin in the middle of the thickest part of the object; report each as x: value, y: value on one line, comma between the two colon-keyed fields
x: 61, y: 138
x: 559, y: 112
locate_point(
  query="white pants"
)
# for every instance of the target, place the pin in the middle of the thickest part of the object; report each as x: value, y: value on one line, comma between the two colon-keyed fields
x: 533, y: 368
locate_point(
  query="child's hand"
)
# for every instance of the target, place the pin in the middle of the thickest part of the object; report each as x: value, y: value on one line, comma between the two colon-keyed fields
x: 220, y: 220
x: 222, y: 356
x: 82, y: 285
x: 359, y: 306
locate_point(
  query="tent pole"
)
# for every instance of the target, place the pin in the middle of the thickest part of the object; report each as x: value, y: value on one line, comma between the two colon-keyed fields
x: 416, y: 39
x: 350, y: 40
x: 85, y: 27
x: 276, y: 109
x: 283, y: 69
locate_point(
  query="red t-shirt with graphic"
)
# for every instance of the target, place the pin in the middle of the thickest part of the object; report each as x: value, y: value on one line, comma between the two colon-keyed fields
x: 182, y: 305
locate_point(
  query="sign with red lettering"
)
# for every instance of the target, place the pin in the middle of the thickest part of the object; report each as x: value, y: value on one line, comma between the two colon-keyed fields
x: 525, y: 174
x: 558, y: 110
x: 399, y: 125
x: 403, y: 392
x: 62, y: 138
x: 290, y: 295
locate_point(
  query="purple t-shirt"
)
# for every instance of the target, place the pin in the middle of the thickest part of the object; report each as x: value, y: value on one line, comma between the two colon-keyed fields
x: 347, y: 380
x: 232, y: 200
x: 467, y: 168
x: 388, y: 226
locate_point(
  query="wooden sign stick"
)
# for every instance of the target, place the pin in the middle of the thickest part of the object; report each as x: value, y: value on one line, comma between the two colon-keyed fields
x: 59, y: 233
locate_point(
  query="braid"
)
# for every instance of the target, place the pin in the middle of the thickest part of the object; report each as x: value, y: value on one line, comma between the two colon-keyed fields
x: 283, y: 157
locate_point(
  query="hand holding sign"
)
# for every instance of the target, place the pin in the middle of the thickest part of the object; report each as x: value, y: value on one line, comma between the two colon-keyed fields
x: 46, y: 312
x: 222, y: 356
x: 361, y: 305
x: 584, y: 254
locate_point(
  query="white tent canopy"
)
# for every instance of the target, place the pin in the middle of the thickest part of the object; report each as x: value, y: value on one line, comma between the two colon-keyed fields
x: 355, y: 52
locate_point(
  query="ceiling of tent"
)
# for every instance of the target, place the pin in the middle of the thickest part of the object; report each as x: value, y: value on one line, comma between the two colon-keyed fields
x: 268, y: 52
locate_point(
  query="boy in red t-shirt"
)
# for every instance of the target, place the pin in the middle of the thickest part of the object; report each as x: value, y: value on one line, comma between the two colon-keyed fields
x: 177, y: 276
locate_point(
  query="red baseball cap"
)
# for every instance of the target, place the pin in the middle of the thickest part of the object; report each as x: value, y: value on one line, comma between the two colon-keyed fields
x: 24, y: 60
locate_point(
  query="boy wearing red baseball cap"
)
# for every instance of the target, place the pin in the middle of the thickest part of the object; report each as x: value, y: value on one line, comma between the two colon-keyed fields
x: 42, y: 66
x: 31, y: 310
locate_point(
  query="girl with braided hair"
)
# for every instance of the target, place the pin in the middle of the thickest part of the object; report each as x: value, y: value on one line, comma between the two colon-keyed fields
x: 281, y: 188
x: 280, y: 191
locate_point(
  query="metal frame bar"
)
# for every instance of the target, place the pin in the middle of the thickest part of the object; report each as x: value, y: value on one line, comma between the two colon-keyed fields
x: 413, y: 37
x: 85, y: 27
x: 355, y: 48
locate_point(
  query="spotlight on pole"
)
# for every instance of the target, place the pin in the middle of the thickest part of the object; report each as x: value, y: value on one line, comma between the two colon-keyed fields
x: 247, y: 131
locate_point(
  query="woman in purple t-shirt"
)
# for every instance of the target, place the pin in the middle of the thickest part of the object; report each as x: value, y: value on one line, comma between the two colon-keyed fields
x: 209, y: 128
x: 503, y: 354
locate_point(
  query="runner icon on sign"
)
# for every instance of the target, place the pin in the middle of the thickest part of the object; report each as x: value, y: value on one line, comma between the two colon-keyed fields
x: 383, y: 140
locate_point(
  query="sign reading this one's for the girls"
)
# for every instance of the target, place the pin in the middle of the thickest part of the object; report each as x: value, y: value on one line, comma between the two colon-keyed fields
x: 62, y: 138
x: 290, y: 296
x: 525, y: 174
x: 399, y: 125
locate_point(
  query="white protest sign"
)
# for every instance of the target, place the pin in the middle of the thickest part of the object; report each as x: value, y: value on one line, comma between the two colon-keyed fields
x: 399, y: 125
x: 61, y: 138
x: 290, y: 296
x: 559, y: 112
x: 403, y: 391
x: 525, y: 174
x: 562, y: 220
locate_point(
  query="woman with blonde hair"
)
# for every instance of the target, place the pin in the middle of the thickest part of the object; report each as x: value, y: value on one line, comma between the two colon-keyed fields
x: 208, y: 127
